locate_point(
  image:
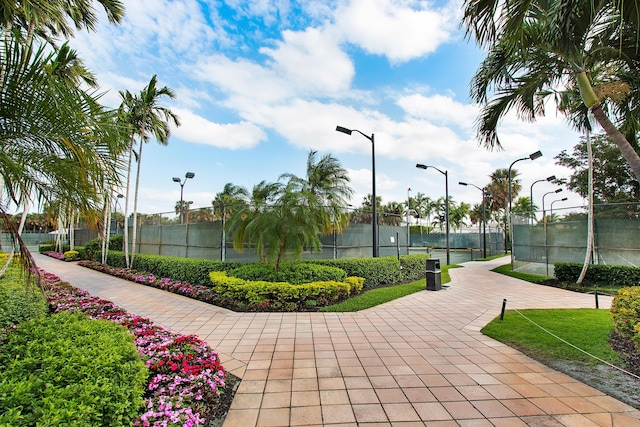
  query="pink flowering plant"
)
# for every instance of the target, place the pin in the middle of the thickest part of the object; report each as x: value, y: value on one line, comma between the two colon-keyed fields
x: 186, y: 377
x: 53, y: 254
x: 198, y: 292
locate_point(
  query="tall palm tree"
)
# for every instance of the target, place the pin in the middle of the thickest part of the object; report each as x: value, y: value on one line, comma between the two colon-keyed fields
x: 145, y: 117
x: 584, y: 54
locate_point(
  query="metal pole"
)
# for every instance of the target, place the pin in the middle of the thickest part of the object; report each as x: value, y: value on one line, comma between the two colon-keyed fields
x: 408, y: 209
x: 484, y: 226
x: 181, y: 203
x: 374, y: 220
x: 446, y: 195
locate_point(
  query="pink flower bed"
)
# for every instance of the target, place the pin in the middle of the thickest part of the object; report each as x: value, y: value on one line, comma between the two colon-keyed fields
x: 185, y: 374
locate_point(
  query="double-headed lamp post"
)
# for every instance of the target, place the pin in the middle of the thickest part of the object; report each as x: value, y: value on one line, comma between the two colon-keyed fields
x: 188, y: 175
x: 446, y: 195
x: 559, y: 190
x: 484, y: 218
x: 374, y: 202
x: 550, y: 179
x: 564, y: 199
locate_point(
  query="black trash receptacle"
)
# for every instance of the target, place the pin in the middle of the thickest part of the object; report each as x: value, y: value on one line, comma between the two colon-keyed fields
x: 434, y: 278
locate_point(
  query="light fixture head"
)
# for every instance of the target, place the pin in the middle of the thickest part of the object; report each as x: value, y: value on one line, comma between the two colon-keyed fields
x: 421, y: 166
x: 189, y: 175
x: 343, y: 130
x: 559, y: 190
x: 535, y: 155
x: 463, y: 183
x: 119, y: 196
x: 176, y: 179
x: 551, y: 178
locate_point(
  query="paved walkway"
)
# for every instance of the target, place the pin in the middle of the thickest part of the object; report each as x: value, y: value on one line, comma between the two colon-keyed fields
x: 416, y: 361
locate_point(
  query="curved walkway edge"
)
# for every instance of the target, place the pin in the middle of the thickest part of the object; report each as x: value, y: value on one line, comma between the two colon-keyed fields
x: 416, y: 361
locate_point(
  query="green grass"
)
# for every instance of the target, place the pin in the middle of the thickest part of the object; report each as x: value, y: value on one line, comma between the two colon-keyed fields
x: 586, y: 328
x: 489, y: 258
x: 379, y: 296
x: 506, y: 270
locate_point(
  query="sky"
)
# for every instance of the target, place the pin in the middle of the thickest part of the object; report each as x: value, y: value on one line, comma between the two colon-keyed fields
x: 259, y: 83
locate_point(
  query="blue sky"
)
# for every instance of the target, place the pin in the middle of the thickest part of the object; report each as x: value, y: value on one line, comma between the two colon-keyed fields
x: 261, y: 82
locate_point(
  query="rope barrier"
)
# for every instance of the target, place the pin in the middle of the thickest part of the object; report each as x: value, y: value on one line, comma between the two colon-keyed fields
x: 578, y: 348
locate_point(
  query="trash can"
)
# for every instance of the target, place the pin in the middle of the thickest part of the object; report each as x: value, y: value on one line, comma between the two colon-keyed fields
x: 434, y: 279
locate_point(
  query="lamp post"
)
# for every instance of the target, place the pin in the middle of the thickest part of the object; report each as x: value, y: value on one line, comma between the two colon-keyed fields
x: 374, y: 219
x: 544, y: 221
x: 446, y: 195
x: 550, y: 178
x: 551, y: 211
x: 188, y: 175
x: 408, y: 210
x: 115, y: 209
x: 559, y: 190
x: 484, y: 218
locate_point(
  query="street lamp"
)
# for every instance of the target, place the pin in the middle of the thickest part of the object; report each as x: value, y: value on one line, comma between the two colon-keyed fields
x: 484, y: 218
x: 115, y: 209
x: 559, y: 190
x: 446, y: 192
x: 544, y: 222
x: 374, y: 219
x: 564, y: 199
x: 408, y: 211
x: 188, y: 175
x: 550, y: 178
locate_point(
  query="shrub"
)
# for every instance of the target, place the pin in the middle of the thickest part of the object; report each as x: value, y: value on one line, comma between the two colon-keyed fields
x: 261, y: 295
x: 71, y: 255
x: 192, y: 270
x: 413, y: 266
x: 625, y: 310
x: 19, y: 302
x: 294, y: 273
x: 93, y: 249
x: 598, y: 274
x: 375, y: 271
x: 68, y: 370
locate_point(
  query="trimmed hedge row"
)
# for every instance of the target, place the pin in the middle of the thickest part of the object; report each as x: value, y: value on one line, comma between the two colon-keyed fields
x: 282, y: 296
x: 294, y: 273
x: 598, y: 274
x: 68, y: 370
x: 192, y: 270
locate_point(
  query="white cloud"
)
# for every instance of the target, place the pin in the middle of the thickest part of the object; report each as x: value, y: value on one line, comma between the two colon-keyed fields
x: 439, y: 109
x: 397, y: 29
x: 234, y: 136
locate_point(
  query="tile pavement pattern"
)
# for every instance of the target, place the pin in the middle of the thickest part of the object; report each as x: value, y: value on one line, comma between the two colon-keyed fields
x: 416, y: 361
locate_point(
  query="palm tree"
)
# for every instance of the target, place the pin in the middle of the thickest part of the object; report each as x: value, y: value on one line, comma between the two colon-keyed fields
x: 144, y: 116
x: 582, y: 53
x: 328, y: 183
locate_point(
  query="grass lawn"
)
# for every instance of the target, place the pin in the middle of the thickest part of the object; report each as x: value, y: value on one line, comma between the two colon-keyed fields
x: 379, y: 296
x: 587, y: 329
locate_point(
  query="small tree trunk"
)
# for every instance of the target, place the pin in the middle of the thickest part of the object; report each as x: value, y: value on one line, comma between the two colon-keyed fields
x: 587, y: 257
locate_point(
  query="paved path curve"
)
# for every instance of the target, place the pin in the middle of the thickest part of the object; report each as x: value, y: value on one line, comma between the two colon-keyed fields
x: 416, y: 361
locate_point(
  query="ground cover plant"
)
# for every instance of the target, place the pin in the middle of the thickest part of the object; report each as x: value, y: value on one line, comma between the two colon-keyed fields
x: 184, y: 385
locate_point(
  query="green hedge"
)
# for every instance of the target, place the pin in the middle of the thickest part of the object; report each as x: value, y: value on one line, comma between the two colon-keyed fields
x: 294, y: 273
x: 413, y: 266
x: 598, y: 274
x: 281, y: 296
x: 375, y: 271
x: 68, y: 370
x: 625, y: 310
x: 192, y: 270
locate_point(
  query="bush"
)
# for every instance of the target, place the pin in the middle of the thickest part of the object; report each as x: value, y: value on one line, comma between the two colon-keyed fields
x: 68, y: 370
x: 625, y: 310
x: 18, y: 302
x: 598, y: 274
x: 281, y: 296
x: 294, y: 273
x: 413, y: 266
x: 71, y: 255
x: 192, y: 270
x: 375, y: 271
x: 52, y: 248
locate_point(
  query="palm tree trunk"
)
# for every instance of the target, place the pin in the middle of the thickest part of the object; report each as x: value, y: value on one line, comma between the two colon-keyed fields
x: 126, y: 205
x: 630, y: 155
x: 587, y: 258
x: 135, y: 205
x: 23, y: 219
